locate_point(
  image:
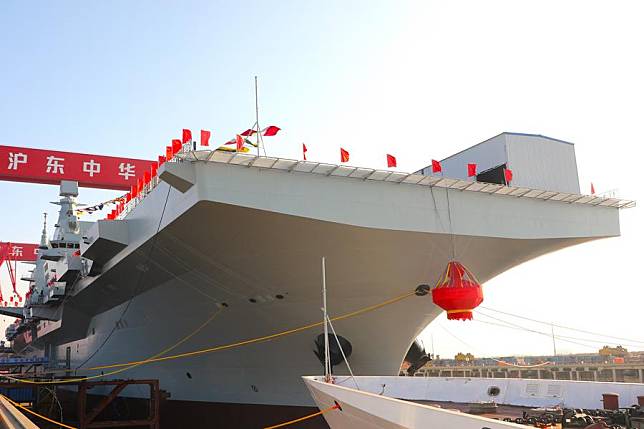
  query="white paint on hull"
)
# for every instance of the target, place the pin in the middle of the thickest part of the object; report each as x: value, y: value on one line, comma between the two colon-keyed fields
x: 243, y: 233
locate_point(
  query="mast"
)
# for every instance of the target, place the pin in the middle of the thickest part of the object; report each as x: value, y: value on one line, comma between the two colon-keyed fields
x: 327, y: 359
x: 257, y: 115
x: 43, y: 237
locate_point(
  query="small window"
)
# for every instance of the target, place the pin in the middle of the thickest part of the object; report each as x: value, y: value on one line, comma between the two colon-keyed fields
x: 54, y: 245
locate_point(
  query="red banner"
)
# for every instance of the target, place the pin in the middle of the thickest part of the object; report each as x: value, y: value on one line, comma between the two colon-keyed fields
x: 19, y: 251
x: 21, y: 164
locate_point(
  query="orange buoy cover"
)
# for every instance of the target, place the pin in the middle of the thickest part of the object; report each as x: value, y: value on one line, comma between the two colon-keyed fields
x: 457, y: 292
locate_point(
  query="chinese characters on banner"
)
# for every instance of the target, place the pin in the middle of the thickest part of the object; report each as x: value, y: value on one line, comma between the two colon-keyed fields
x: 20, y: 164
x: 22, y: 252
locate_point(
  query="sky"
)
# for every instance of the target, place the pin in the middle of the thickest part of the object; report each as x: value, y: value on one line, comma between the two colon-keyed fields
x: 418, y: 79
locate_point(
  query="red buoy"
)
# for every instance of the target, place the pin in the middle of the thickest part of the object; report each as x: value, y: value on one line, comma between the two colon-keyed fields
x: 457, y: 292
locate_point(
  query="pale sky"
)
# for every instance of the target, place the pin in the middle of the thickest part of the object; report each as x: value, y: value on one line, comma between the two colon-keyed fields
x: 420, y: 80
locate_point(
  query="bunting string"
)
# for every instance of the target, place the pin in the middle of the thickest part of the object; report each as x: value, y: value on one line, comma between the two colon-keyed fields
x: 100, y: 206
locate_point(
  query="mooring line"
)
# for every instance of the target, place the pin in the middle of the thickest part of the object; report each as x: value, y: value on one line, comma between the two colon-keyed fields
x: 310, y: 416
x: 15, y: 404
x: 129, y: 365
x: 78, y: 379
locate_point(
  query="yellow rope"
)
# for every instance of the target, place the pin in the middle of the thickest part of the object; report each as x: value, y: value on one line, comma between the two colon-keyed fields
x: 310, y: 416
x: 133, y: 364
x: 15, y: 404
x: 74, y: 380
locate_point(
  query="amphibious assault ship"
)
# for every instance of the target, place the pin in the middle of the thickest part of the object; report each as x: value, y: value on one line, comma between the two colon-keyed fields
x: 221, y: 248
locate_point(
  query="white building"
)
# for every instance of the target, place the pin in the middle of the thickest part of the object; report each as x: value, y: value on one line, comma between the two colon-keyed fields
x: 536, y: 162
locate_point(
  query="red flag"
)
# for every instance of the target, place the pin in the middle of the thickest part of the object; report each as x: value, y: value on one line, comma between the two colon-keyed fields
x: 508, y: 176
x: 471, y: 170
x: 592, y: 189
x: 168, y: 153
x: 270, y: 131
x: 391, y: 161
x: 436, y: 166
x: 205, y: 137
x: 128, y: 197
x: 139, y: 185
x: 146, y: 177
x: 304, y: 151
x: 176, y: 146
x: 186, y: 136
x: 248, y: 132
x: 344, y: 155
x: 153, y: 168
x: 239, y: 141
x: 134, y: 191
x: 161, y: 160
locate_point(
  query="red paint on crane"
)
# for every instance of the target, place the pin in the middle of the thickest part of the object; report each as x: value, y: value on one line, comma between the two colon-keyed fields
x: 21, y: 164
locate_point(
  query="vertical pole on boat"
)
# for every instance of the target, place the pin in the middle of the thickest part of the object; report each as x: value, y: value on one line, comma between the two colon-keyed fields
x: 327, y: 364
x: 433, y: 354
x: 257, y: 115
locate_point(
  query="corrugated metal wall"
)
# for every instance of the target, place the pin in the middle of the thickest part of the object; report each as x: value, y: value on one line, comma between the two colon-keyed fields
x: 536, y: 162
x: 542, y: 163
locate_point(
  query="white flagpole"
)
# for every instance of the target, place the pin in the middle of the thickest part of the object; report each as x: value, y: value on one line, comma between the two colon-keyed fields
x: 327, y: 363
x: 257, y: 114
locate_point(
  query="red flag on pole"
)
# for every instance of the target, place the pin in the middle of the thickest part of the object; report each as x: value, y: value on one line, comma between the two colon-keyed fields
x: 168, y: 153
x: 344, y: 155
x: 436, y: 166
x: 508, y: 176
x: 153, y: 168
x: 471, y: 170
x: 161, y: 160
x: 592, y: 189
x: 270, y: 131
x: 249, y: 132
x: 239, y: 141
x: 205, y: 137
x: 391, y: 161
x: 304, y: 151
x: 134, y: 190
x: 176, y: 146
x: 186, y: 136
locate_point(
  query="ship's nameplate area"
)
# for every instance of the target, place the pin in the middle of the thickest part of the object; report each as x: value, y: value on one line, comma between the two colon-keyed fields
x: 104, y: 240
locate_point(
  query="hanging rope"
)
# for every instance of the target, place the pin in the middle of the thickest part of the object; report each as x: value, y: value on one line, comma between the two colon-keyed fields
x: 129, y: 365
x: 563, y: 326
x: 494, y: 359
x: 15, y: 404
x: 301, y: 419
x: 161, y: 353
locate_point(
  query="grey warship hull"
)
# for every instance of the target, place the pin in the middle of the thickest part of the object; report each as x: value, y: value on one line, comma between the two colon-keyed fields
x: 229, y: 249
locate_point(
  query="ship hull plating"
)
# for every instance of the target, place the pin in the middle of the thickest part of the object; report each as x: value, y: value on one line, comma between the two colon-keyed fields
x: 243, y: 246
x: 252, y: 288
